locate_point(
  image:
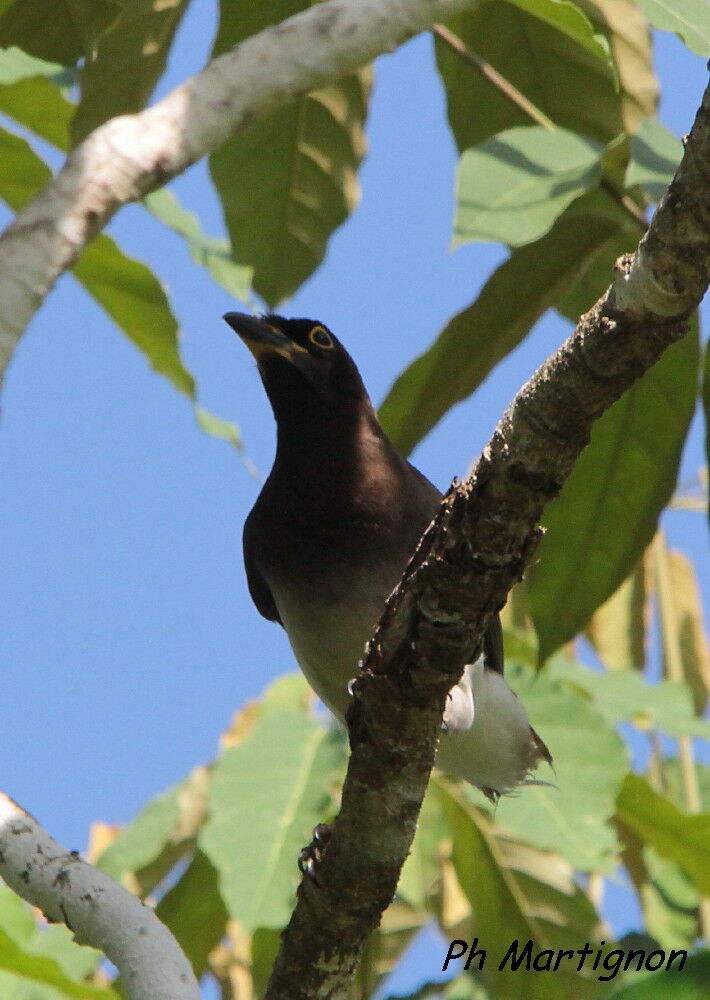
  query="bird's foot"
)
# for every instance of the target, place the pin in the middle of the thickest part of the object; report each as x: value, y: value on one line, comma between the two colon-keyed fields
x: 310, y: 857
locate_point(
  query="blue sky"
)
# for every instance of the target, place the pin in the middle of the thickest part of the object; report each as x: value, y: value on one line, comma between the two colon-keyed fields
x: 128, y: 638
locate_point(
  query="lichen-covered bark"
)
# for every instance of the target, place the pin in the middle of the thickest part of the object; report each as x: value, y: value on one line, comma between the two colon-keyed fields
x: 484, y: 534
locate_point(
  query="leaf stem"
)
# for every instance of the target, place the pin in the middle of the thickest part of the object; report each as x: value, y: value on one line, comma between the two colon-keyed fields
x: 491, y: 74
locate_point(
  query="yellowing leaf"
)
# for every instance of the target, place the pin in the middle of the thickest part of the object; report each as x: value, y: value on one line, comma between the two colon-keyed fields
x: 617, y: 629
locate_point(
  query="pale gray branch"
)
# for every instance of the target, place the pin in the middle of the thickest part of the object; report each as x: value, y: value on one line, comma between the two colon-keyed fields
x: 129, y: 156
x: 98, y: 911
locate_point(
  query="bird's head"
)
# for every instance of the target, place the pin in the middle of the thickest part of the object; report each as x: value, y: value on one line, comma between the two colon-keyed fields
x: 303, y: 366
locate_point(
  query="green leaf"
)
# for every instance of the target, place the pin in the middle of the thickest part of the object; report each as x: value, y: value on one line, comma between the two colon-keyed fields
x: 55, y: 942
x: 421, y: 871
x: 626, y: 30
x: 514, y: 897
x: 58, y: 30
x: 216, y: 427
x: 122, y: 69
x: 687, y: 609
x: 41, y: 970
x: 264, y: 949
x: 267, y: 794
x: 598, y: 274
x: 608, y: 509
x: 476, y: 339
x: 572, y: 816
x: 670, y: 902
x: 655, y: 155
x: 194, y: 912
x: 212, y: 254
x: 30, y: 93
x: 290, y: 180
x: 617, y: 629
x: 675, y: 835
x: 673, y: 785
x: 23, y: 174
x: 690, y: 984
x: 37, y: 103
x: 512, y: 187
x: 569, y: 20
x: 287, y: 182
x: 624, y: 696
x: 688, y: 19
x: 563, y: 79
x: 133, y: 297
x: 138, y: 844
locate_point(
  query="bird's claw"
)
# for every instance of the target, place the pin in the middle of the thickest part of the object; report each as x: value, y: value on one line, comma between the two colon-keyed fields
x: 310, y: 857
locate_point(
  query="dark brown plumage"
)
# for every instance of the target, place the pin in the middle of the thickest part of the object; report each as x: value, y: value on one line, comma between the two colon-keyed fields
x: 332, y: 531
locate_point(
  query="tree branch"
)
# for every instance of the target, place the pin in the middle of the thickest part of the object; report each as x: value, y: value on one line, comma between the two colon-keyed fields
x: 130, y: 156
x: 476, y: 549
x: 95, y: 908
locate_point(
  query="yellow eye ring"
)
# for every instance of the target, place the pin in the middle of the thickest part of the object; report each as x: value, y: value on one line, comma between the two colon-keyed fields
x: 319, y: 336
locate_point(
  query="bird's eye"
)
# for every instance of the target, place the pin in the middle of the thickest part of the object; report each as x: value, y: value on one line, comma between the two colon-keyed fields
x: 320, y: 337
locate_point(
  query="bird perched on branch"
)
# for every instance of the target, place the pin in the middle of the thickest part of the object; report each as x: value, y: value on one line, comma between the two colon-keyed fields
x: 332, y: 532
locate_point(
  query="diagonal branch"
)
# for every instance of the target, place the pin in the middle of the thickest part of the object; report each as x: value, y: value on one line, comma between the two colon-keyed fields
x: 476, y: 549
x: 98, y: 911
x: 130, y: 156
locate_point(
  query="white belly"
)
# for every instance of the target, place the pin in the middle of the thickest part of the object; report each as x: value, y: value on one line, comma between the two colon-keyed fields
x: 492, y: 747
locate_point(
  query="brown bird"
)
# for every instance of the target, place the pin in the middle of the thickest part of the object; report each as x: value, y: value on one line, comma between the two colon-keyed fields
x: 331, y: 534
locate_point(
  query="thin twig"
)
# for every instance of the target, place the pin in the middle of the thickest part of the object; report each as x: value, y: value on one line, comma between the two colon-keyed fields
x: 495, y: 78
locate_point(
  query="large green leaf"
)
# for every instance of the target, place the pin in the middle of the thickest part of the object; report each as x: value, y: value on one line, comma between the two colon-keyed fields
x: 290, y: 180
x: 475, y: 340
x: 673, y: 834
x: 672, y: 984
x: 513, y: 187
x: 564, y: 79
x: 267, y: 794
x: 516, y: 901
x: 655, y: 155
x: 134, y: 298
x: 121, y: 71
x: 61, y: 30
x: 688, y: 19
x: 194, y: 911
x: 608, y: 509
x: 571, y: 816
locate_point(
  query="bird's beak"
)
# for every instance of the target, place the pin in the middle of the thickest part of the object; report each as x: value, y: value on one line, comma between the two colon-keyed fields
x: 262, y: 339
